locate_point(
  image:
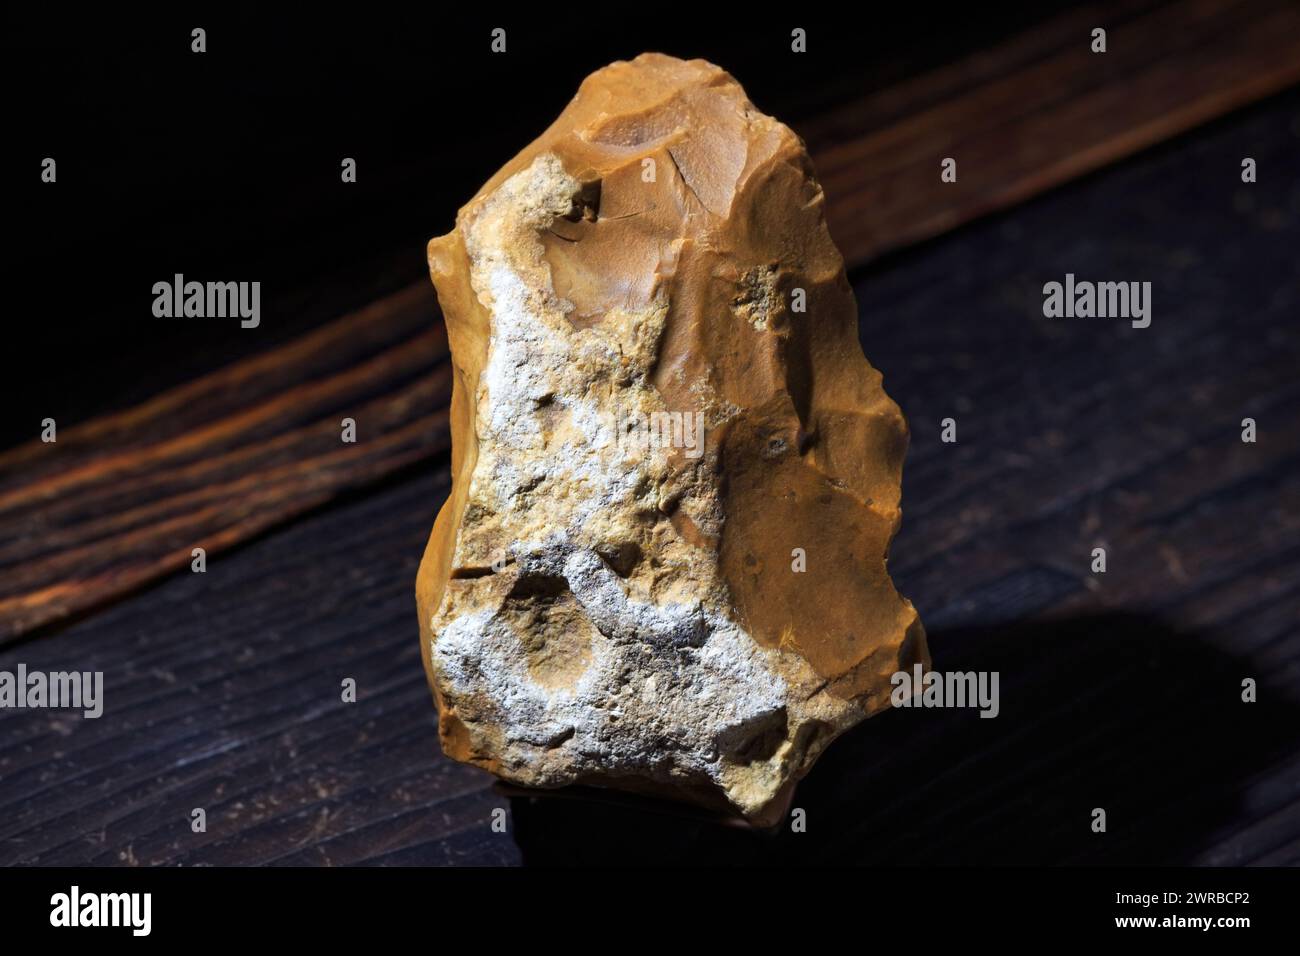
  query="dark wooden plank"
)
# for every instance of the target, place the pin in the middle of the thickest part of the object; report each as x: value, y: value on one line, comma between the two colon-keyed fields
x: 1053, y: 111
x: 119, y: 502
x: 222, y: 690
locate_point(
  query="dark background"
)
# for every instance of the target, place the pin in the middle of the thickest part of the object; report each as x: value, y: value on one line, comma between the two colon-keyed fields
x: 225, y: 165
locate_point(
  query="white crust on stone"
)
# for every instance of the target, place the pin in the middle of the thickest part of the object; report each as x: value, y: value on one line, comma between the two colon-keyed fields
x: 560, y: 668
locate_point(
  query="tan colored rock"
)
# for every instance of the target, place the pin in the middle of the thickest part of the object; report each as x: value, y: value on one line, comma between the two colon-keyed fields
x: 610, y: 597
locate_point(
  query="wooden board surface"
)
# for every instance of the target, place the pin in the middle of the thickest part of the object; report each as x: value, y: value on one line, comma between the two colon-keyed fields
x: 120, y: 502
x: 1118, y: 690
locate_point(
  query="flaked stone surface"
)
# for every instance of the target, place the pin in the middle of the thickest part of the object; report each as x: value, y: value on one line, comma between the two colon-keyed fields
x: 675, y: 476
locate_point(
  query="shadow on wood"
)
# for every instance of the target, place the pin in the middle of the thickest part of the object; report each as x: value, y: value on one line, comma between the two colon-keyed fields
x: 1118, y: 711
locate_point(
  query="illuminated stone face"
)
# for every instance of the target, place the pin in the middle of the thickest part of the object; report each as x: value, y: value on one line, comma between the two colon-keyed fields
x: 675, y: 476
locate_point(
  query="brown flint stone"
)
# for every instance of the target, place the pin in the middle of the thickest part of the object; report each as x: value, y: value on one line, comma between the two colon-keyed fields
x: 662, y: 566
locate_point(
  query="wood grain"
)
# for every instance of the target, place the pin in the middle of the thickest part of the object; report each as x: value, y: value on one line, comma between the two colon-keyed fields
x: 121, y: 501
x: 1039, y: 112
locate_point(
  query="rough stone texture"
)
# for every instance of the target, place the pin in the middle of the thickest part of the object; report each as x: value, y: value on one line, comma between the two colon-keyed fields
x: 626, y: 611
